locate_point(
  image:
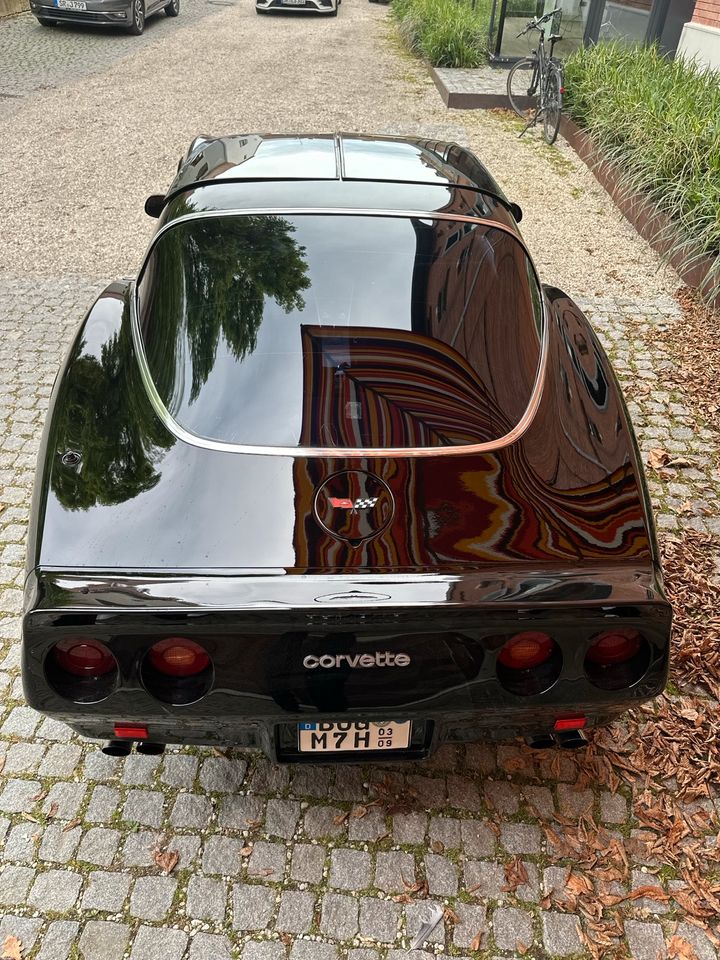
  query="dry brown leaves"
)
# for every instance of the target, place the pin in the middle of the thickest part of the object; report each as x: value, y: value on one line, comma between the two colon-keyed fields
x: 12, y: 948
x: 395, y: 796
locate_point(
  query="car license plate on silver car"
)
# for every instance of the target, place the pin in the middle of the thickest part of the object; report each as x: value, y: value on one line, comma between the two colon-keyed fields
x: 71, y: 4
x: 317, y: 737
x: 293, y: 3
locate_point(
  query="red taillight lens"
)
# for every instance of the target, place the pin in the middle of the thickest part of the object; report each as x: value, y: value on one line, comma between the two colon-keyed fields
x: 614, y: 646
x: 83, y: 657
x: 178, y: 657
x: 526, y: 650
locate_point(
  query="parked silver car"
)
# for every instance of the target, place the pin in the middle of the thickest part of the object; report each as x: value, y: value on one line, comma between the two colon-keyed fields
x: 329, y: 7
x: 130, y: 14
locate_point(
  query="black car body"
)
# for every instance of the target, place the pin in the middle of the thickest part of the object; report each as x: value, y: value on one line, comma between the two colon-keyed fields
x: 337, y: 459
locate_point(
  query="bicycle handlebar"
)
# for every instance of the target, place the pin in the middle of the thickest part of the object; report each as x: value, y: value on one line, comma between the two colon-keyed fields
x: 536, y: 21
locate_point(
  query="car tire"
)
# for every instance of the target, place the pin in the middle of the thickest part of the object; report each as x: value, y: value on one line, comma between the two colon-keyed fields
x: 173, y: 8
x: 137, y: 12
x: 46, y: 22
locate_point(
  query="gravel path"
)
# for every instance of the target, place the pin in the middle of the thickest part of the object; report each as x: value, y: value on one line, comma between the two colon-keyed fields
x: 95, y: 148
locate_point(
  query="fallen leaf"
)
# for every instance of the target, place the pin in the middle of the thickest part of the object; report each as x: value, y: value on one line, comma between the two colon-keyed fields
x: 658, y: 458
x: 451, y: 916
x: 522, y: 948
x: 437, y: 846
x: 340, y: 818
x: 2, y: 763
x: 680, y: 949
x: 40, y: 795
x: 71, y: 824
x: 359, y: 812
x: 166, y: 859
x: 246, y: 851
x: 52, y: 812
x: 403, y: 898
x: 12, y: 948
x: 265, y: 872
x: 477, y: 940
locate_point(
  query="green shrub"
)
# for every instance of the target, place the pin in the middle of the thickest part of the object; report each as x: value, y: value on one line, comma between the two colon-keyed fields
x: 659, y: 121
x: 448, y: 33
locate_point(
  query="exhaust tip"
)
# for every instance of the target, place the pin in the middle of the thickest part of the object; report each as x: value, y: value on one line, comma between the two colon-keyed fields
x: 117, y: 748
x: 571, y: 739
x: 149, y: 748
x: 541, y: 741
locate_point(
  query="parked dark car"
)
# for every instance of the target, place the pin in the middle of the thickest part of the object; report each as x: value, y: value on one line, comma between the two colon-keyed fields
x: 130, y: 14
x: 336, y: 474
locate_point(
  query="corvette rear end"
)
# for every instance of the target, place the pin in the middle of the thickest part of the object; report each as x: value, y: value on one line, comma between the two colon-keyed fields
x: 338, y: 477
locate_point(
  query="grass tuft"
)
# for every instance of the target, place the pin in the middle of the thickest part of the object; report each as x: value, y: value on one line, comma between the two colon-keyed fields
x: 448, y: 33
x: 658, y: 120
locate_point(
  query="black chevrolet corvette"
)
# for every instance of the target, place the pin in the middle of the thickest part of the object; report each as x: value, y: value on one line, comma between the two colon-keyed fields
x: 336, y: 476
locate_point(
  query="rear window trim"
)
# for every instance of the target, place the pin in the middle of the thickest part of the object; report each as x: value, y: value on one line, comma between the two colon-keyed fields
x: 345, y: 453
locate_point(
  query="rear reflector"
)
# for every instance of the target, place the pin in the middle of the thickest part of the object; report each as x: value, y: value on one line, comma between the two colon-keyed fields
x: 178, y: 657
x: 526, y: 650
x: 126, y: 731
x: 571, y: 723
x: 83, y: 657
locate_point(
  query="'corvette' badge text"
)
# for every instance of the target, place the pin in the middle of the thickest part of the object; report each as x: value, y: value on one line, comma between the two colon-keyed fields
x: 383, y: 658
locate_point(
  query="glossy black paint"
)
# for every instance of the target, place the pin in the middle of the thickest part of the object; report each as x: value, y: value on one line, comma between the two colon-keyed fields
x: 144, y: 535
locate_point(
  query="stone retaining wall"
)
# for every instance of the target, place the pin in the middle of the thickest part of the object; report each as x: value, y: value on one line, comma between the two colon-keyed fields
x: 9, y: 8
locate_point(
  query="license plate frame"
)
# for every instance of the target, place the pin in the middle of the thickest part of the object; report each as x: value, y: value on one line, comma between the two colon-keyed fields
x: 353, y: 737
x: 71, y: 5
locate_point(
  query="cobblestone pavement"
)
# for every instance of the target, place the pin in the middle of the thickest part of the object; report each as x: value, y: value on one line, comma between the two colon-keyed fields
x: 35, y: 58
x: 327, y: 863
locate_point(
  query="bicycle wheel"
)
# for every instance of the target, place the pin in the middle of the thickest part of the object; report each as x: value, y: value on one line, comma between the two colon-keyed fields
x: 552, y: 105
x: 522, y: 87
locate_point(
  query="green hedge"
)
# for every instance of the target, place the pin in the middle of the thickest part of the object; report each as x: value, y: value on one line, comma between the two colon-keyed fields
x: 659, y: 121
x: 448, y: 33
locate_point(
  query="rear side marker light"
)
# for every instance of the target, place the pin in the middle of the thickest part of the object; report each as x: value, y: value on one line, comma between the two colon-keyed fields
x: 84, y: 657
x: 126, y: 731
x: 178, y: 657
x: 526, y: 650
x: 570, y: 723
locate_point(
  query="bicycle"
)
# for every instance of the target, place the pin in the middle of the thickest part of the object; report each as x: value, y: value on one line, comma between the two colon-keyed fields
x: 535, y: 82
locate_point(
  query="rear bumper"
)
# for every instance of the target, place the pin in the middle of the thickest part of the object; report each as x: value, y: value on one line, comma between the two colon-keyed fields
x: 287, y: 649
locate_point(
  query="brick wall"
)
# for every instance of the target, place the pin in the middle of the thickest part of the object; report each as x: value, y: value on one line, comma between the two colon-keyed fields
x: 707, y: 12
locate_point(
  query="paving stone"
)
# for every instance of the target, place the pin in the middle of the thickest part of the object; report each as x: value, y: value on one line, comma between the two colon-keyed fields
x: 488, y: 880
x: 502, y: 796
x: 266, y: 950
x: 409, y: 827
x: 14, y: 884
x: 58, y: 843
x: 520, y: 838
x: 560, y: 934
x: 58, y: 940
x: 339, y: 916
x: 26, y: 929
x: 430, y: 791
x: 363, y: 954
x: 307, y: 862
x: 306, y: 950
x: 269, y: 778
x: 21, y: 722
x: 61, y: 760
x: 393, y: 871
x: 211, y: 946
x: 698, y: 940
x: 152, y: 897
x: 321, y: 822
x: 613, y: 807
x: 138, y: 769
x: 99, y: 846
x: 296, y: 911
x: 23, y: 758
x: 103, y: 804
x: 152, y: 943
x: 512, y: 929
x: 104, y: 940
x: 22, y: 842
x: 239, y: 813
x: 99, y: 766
x: 220, y: 775
x: 187, y: 848
x: 418, y: 913
x: 138, y: 848
x: 445, y: 831
x: 462, y: 793
x: 267, y: 860
x: 441, y: 875
x: 206, y: 899
x: 478, y: 840
x: 646, y: 940
x: 349, y: 869
x: 555, y: 880
x: 472, y: 921
x: 281, y: 818
x: 348, y: 784
x: 379, y: 919
x: 573, y: 802
x: 312, y: 781
x: 221, y: 855
x: 371, y: 826
x: 639, y: 879
x: 55, y: 890
x: 179, y: 770
x: 17, y: 796
x: 191, y: 811
x: 253, y: 906
x: 144, y: 807
x: 106, y: 891
x: 539, y: 799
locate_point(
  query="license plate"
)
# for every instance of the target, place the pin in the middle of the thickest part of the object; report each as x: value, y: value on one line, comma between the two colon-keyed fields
x: 336, y: 737
x: 71, y: 4
x: 293, y: 3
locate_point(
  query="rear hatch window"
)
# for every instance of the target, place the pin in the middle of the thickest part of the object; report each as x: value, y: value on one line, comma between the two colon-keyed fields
x: 341, y: 331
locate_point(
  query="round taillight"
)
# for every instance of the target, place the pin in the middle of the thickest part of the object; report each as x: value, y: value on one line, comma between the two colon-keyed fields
x: 526, y: 650
x: 83, y: 657
x: 178, y: 657
x: 614, y: 646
